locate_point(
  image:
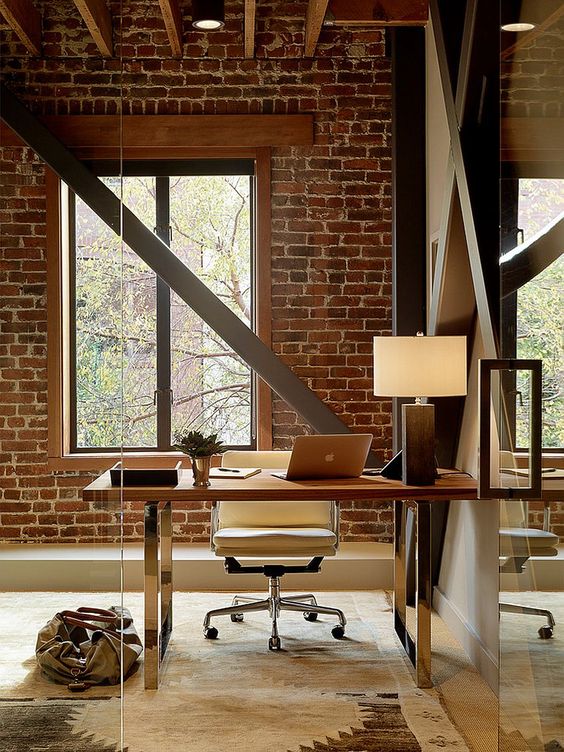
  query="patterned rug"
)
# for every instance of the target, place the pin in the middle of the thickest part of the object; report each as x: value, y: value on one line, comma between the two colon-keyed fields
x: 48, y: 725
x: 44, y: 725
x: 232, y: 694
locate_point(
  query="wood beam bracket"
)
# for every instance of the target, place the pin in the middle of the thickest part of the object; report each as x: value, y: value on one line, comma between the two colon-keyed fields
x: 249, y: 30
x: 97, y: 18
x: 316, y: 11
x: 25, y: 20
x: 172, y: 17
x: 379, y: 12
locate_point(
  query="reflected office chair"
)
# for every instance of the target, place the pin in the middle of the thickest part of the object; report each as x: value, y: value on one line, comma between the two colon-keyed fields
x: 517, y: 544
x: 273, y: 530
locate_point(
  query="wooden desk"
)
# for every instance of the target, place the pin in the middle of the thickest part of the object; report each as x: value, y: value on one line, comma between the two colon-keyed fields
x: 265, y: 487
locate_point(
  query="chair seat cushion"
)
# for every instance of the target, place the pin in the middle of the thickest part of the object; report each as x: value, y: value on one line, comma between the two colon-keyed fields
x: 526, y: 541
x: 286, y: 541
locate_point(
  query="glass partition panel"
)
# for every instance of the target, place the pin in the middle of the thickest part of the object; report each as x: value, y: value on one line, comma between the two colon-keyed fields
x: 531, y: 264
x: 61, y: 365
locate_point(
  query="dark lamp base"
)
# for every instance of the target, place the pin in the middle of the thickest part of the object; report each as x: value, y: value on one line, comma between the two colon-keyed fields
x: 418, y: 444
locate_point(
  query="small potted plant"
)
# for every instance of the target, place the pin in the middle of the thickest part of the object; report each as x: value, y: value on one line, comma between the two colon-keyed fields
x: 200, y: 449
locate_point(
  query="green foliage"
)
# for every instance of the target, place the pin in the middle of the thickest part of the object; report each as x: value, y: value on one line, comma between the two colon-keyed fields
x: 540, y: 317
x: 195, y: 444
x: 540, y: 334
x: 116, y: 323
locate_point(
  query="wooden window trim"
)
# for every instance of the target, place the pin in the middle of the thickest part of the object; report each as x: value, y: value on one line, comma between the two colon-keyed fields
x: 58, y: 448
x: 177, y: 136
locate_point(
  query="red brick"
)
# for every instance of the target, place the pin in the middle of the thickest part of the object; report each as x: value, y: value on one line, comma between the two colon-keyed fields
x: 331, y: 231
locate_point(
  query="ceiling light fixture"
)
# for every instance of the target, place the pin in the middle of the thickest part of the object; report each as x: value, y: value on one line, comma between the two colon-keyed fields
x: 519, y: 26
x: 519, y: 15
x: 208, y: 15
x: 329, y: 19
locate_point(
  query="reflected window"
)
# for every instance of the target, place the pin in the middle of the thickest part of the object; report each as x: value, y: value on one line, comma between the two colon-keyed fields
x: 539, y: 328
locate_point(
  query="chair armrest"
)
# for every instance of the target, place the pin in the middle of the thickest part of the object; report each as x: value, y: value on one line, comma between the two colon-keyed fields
x: 546, y: 515
x: 214, y: 523
x: 335, y: 520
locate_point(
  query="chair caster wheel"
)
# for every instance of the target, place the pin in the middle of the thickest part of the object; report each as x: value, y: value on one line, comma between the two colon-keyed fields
x: 338, y: 632
x: 545, y: 632
x: 236, y: 617
x: 310, y: 615
x: 210, y: 633
x: 274, y: 643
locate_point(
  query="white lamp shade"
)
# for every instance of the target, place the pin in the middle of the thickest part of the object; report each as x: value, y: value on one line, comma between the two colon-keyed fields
x: 419, y: 366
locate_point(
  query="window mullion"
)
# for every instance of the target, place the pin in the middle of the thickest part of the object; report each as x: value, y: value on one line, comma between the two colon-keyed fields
x: 163, y: 390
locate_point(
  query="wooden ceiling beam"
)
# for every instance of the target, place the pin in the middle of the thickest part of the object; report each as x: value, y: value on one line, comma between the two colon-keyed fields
x: 173, y: 22
x: 315, y: 15
x: 379, y: 12
x: 98, y: 20
x: 250, y: 12
x: 25, y: 20
x: 93, y: 136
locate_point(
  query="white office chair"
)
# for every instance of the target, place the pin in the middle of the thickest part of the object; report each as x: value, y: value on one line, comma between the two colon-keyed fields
x: 268, y: 530
x: 517, y: 544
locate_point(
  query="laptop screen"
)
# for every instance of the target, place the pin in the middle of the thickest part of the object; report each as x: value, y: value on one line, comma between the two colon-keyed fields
x: 328, y: 456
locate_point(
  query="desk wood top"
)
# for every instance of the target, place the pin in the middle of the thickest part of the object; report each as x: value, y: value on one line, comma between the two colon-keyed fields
x: 266, y: 487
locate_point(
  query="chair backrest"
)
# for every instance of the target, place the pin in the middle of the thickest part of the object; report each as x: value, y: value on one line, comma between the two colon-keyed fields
x: 270, y: 513
x: 513, y: 513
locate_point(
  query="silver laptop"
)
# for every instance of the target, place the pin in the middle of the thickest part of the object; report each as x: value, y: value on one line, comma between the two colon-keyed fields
x: 339, y: 455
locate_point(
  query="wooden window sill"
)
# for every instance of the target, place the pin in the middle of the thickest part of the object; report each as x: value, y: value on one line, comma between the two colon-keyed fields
x: 549, y: 459
x: 90, y: 461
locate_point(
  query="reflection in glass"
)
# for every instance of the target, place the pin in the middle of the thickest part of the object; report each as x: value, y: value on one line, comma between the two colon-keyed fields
x: 532, y: 278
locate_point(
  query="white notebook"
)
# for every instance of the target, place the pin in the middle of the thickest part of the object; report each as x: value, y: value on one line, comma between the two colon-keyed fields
x: 235, y: 472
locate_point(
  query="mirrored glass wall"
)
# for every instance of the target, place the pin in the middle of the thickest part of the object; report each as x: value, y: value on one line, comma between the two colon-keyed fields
x: 61, y: 348
x: 532, y: 245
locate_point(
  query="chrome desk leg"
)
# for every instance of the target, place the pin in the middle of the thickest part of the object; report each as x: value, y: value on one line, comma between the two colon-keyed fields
x: 158, y: 587
x: 151, y: 588
x: 423, y: 594
x: 165, y: 522
x: 418, y: 648
x: 400, y: 604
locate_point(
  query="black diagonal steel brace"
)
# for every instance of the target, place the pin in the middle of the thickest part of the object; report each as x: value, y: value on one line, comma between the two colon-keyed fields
x: 171, y: 269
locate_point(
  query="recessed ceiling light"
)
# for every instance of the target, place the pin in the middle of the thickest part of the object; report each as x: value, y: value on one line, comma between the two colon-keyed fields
x: 207, y: 24
x: 208, y: 15
x: 520, y: 26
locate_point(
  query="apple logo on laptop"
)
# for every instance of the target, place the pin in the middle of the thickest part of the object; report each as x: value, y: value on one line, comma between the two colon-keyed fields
x: 329, y: 457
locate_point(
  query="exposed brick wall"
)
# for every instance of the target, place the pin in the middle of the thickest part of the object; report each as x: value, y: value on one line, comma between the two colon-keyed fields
x: 331, y: 212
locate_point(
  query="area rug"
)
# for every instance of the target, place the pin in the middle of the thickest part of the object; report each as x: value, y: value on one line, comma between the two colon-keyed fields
x: 231, y: 694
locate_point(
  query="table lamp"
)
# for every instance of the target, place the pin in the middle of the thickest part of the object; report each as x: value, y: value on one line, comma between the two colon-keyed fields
x: 419, y: 367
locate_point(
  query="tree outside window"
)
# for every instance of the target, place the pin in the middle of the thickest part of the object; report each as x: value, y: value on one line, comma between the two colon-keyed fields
x: 142, y: 358
x: 540, y: 318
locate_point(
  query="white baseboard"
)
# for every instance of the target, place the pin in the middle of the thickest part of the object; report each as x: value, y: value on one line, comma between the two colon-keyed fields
x: 84, y: 568
x: 482, y: 658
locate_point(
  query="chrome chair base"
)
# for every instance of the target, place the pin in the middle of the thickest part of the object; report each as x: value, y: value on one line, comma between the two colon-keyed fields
x: 274, y: 604
x: 546, y: 631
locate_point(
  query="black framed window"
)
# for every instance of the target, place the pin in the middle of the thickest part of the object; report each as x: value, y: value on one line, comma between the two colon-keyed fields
x: 143, y: 364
